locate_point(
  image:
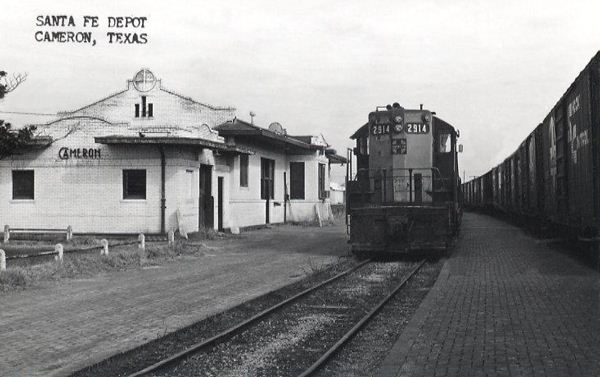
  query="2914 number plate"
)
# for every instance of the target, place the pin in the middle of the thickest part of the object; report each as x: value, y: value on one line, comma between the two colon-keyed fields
x: 380, y: 129
x: 417, y: 128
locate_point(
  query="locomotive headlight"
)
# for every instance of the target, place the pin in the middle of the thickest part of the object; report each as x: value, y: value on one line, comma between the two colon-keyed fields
x: 427, y: 118
x: 398, y: 127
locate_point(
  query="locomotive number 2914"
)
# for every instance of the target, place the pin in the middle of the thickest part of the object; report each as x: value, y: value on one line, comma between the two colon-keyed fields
x: 417, y: 128
x: 380, y: 129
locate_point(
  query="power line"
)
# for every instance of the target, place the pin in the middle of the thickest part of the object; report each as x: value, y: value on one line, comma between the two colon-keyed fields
x: 25, y: 113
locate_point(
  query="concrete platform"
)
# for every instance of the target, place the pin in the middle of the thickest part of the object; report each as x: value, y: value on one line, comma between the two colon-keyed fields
x: 504, y: 305
x: 56, y: 329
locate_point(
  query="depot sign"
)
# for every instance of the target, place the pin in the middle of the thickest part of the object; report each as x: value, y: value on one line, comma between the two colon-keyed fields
x: 65, y: 153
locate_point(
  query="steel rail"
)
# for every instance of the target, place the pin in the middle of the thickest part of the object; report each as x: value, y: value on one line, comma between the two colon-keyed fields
x: 317, y: 364
x: 238, y: 327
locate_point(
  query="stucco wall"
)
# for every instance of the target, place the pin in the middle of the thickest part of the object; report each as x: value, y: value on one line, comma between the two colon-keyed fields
x: 169, y: 110
x: 88, y: 193
x: 246, y: 207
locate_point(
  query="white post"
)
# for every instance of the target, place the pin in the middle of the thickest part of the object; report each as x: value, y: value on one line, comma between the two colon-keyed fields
x: 142, y: 240
x: 171, y: 237
x: 6, y: 233
x: 69, y: 233
x: 59, y: 249
x: 142, y: 248
x: 104, y: 243
x: 318, y: 213
x: 2, y: 260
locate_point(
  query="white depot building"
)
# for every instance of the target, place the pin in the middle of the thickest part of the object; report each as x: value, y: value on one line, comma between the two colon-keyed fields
x: 147, y: 159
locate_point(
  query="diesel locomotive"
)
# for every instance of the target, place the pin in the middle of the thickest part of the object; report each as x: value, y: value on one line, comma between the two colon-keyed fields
x: 405, y: 193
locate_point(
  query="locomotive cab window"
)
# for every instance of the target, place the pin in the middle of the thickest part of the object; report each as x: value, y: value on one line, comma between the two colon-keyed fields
x: 444, y: 143
x: 363, y: 146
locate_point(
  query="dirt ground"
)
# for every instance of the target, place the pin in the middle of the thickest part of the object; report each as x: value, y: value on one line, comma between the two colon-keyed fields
x: 55, y: 329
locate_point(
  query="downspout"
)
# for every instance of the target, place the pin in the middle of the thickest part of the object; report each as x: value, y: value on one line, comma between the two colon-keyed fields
x: 285, y: 197
x: 163, y: 199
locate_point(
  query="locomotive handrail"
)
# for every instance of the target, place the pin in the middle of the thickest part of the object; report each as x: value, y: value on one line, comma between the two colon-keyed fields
x: 374, y: 174
x: 369, y: 181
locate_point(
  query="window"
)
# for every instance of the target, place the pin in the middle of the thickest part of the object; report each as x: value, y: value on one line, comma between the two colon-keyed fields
x: 143, y: 106
x: 134, y: 184
x: 267, y: 178
x: 243, y: 170
x: 189, y: 175
x: 321, y: 181
x: 144, y: 110
x: 296, y: 180
x: 23, y: 187
x: 363, y: 145
x: 445, y: 144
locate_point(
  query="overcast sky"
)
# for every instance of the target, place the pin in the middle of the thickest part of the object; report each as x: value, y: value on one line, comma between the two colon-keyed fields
x: 491, y: 69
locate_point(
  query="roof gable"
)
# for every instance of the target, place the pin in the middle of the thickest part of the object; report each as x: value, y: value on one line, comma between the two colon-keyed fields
x: 169, y: 109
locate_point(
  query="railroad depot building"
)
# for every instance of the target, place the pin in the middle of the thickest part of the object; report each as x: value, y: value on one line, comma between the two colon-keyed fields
x: 147, y: 159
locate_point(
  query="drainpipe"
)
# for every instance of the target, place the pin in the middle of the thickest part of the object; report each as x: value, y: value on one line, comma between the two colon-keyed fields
x: 163, y: 199
x: 285, y: 198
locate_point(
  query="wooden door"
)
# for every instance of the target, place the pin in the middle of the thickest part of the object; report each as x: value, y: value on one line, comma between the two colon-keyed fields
x: 205, y: 202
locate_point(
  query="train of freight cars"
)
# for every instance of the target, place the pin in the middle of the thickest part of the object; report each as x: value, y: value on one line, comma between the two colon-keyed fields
x: 405, y: 193
x: 553, y: 178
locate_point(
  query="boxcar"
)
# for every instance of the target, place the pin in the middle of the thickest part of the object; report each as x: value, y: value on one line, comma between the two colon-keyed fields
x: 552, y: 178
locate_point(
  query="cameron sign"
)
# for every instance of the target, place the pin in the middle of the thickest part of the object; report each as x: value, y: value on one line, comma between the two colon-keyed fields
x: 65, y: 153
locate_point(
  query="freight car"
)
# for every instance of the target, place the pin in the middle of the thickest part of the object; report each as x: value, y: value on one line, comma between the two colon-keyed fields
x: 405, y: 195
x: 552, y: 180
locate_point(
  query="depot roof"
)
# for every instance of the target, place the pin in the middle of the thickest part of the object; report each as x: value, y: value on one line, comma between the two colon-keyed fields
x: 170, y: 140
x: 336, y: 158
x: 238, y: 127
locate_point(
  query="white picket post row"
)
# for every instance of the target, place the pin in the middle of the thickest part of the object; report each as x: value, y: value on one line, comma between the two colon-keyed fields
x: 2, y: 260
x: 104, y: 243
x: 6, y: 233
x: 59, y: 249
x: 142, y: 239
x: 171, y: 237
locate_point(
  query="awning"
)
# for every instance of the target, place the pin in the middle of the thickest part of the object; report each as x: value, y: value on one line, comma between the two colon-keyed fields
x: 170, y: 140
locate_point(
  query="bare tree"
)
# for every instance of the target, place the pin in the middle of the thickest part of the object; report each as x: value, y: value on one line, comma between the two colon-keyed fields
x: 10, y: 139
x: 8, y: 84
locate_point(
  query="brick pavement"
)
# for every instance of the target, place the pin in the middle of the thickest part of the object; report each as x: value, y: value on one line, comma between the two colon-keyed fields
x: 504, y: 305
x: 58, y: 328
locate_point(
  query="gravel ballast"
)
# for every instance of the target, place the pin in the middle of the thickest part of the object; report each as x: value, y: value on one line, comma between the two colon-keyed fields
x: 287, y: 342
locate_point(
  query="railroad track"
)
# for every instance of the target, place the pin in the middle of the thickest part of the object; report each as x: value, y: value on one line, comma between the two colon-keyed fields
x: 228, y: 334
x: 348, y: 335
